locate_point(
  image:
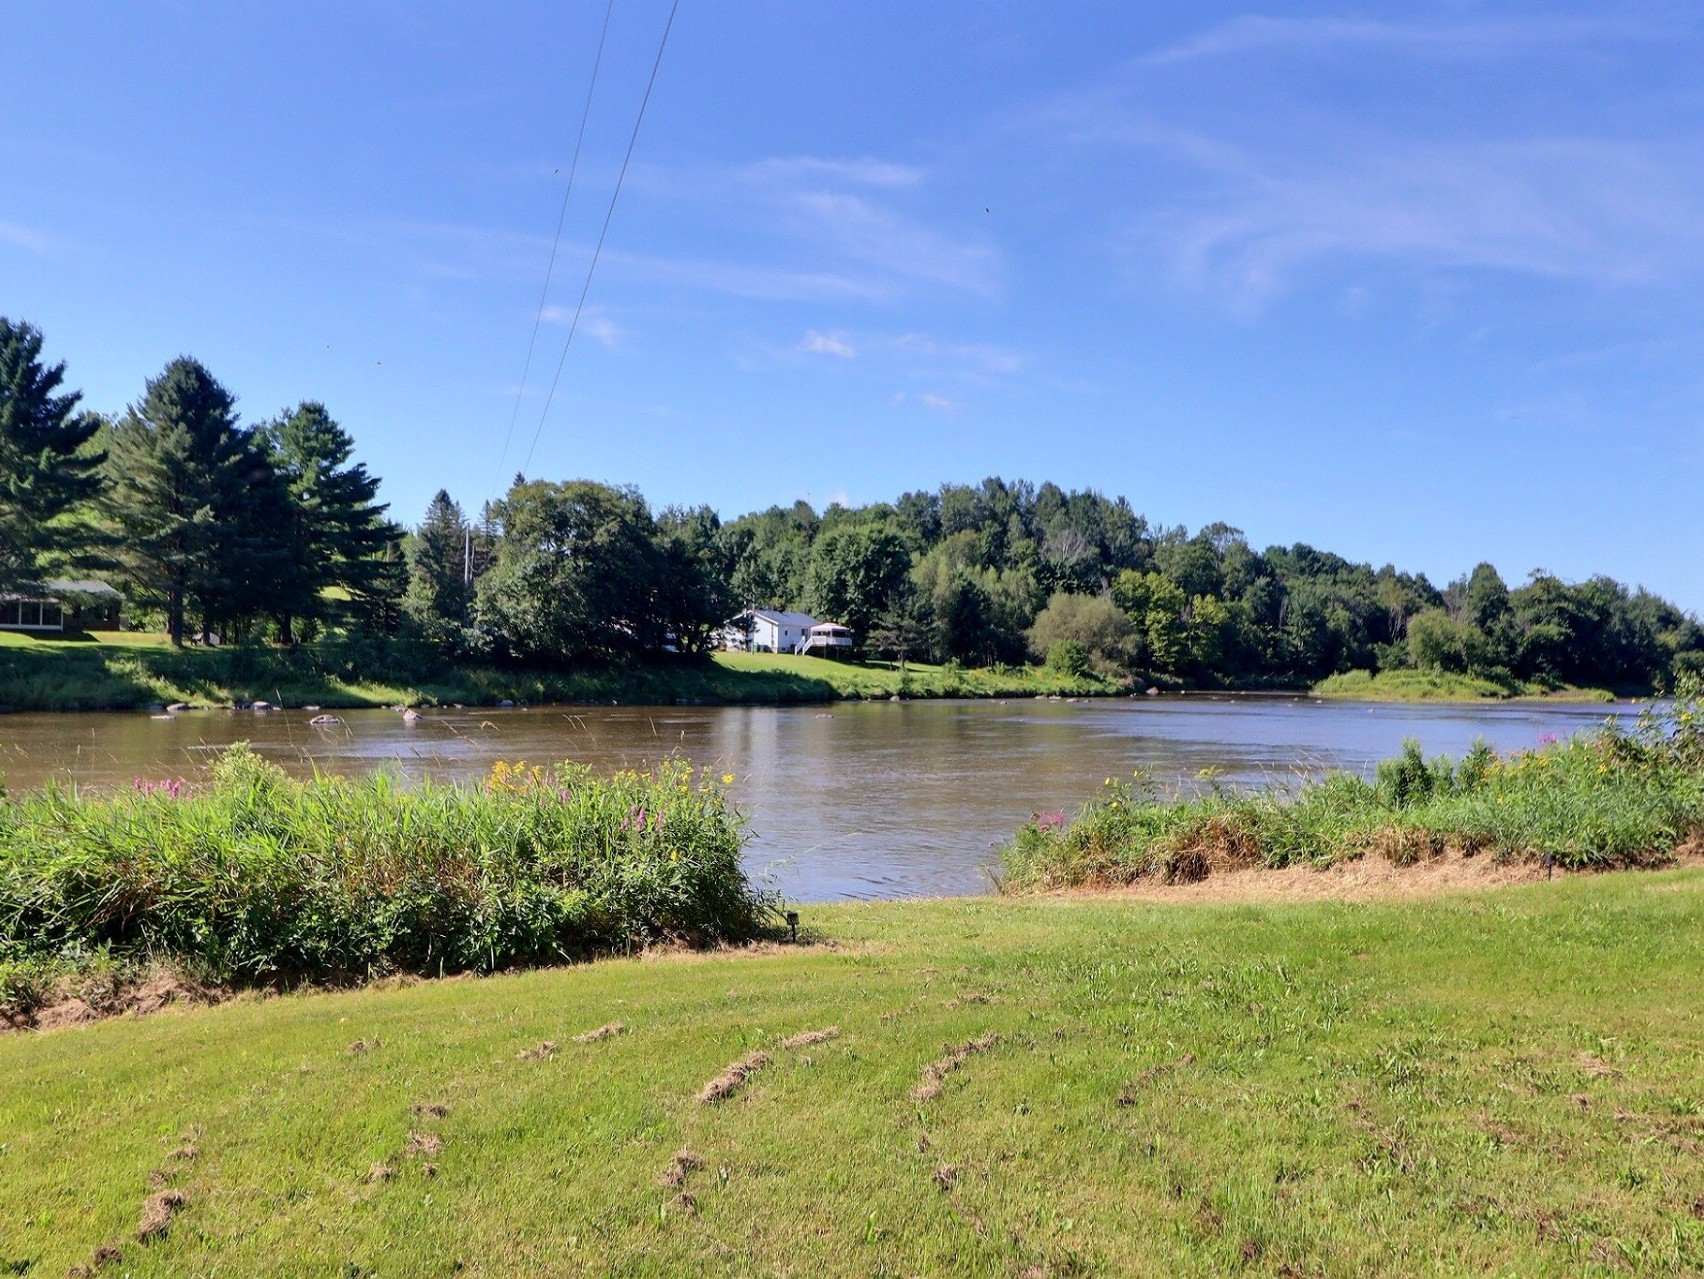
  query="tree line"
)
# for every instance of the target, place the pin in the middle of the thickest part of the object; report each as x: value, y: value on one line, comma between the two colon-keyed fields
x: 272, y: 533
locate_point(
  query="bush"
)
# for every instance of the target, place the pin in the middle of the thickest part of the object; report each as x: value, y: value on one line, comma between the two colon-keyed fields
x: 256, y: 877
x: 1068, y: 657
x: 1609, y: 798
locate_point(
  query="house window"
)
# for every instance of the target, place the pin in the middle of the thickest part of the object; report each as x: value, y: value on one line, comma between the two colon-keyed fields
x: 9, y: 614
x: 53, y: 615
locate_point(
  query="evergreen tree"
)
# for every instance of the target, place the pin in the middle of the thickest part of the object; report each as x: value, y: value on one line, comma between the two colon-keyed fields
x: 176, y: 475
x: 439, y: 590
x: 45, y: 470
x: 377, y: 593
x: 336, y: 532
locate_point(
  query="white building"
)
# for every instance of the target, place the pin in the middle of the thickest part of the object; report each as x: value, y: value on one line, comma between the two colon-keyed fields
x: 762, y: 630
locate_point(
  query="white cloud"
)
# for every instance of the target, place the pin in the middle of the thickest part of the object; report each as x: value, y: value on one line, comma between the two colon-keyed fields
x: 864, y: 172
x: 1607, y: 213
x: 822, y: 227
x: 817, y: 343
x: 966, y: 359
x: 1251, y: 34
x: 27, y: 239
x: 602, y: 329
x: 934, y: 403
x: 593, y: 323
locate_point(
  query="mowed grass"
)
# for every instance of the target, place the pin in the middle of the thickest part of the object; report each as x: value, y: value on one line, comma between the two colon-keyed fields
x: 127, y: 670
x: 1445, y: 686
x: 919, y: 679
x: 1506, y: 1083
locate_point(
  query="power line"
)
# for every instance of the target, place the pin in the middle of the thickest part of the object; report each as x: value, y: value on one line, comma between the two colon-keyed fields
x: 608, y: 214
x: 561, y: 217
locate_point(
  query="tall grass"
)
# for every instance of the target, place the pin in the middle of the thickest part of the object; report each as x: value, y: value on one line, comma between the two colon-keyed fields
x: 1608, y: 798
x: 254, y: 877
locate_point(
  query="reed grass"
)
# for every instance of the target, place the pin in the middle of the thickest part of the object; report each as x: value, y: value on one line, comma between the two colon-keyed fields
x: 1602, y: 799
x: 251, y: 877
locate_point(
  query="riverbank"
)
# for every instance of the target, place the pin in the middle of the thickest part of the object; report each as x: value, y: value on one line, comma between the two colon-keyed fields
x: 1616, y: 797
x: 1446, y: 686
x: 1034, y: 1087
x: 135, y: 672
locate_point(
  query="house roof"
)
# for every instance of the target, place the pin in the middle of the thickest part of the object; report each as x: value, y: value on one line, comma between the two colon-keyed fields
x: 81, y: 586
x: 50, y: 592
x: 784, y: 619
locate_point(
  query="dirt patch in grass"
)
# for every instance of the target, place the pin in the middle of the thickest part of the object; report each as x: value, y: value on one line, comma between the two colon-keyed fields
x: 929, y: 1087
x: 1127, y: 1095
x: 163, y: 990
x: 1366, y: 878
x: 538, y: 1053
x: 429, y: 1109
x: 805, y: 1038
x: 158, y: 1209
x: 422, y: 1143
x: 610, y: 1031
x: 682, y: 1166
x: 731, y: 1080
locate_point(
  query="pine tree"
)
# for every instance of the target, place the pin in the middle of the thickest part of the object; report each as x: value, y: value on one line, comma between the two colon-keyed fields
x: 439, y: 592
x: 176, y: 472
x: 45, y: 470
x: 376, y: 600
x: 337, y: 532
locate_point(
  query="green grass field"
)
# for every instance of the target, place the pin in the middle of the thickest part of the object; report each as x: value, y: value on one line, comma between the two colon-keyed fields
x: 120, y: 671
x: 1444, y: 686
x: 1507, y: 1083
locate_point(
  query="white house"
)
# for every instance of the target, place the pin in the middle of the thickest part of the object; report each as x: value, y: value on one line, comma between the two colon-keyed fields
x: 761, y: 630
x: 55, y: 607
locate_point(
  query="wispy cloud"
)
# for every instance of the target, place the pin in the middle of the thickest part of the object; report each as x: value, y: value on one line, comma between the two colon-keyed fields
x: 865, y: 172
x: 748, y: 280
x: 968, y: 359
x: 1249, y: 34
x: 593, y: 323
x: 823, y: 226
x: 927, y: 399
x: 815, y: 343
x: 1609, y: 213
x: 28, y: 239
x: 1252, y: 186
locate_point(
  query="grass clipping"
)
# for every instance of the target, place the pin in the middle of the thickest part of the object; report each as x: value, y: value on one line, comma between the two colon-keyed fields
x: 731, y: 1080
x: 935, y: 1073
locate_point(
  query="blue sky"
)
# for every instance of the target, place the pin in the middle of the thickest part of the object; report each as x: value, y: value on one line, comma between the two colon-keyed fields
x: 1414, y: 283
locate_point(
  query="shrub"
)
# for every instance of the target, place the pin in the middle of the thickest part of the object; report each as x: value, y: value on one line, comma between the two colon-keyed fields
x: 1068, y: 657
x: 1611, y: 798
x: 256, y: 877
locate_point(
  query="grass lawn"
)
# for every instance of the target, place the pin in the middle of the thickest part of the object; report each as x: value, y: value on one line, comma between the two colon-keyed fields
x: 1444, y: 686
x: 1504, y: 1083
x: 126, y: 670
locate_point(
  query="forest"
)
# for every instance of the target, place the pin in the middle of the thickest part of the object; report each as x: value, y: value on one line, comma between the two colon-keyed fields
x: 270, y: 533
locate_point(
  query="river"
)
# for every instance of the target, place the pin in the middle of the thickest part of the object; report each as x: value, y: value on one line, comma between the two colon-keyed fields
x: 848, y: 800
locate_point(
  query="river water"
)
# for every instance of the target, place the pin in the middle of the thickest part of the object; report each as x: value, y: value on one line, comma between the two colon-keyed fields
x: 850, y: 800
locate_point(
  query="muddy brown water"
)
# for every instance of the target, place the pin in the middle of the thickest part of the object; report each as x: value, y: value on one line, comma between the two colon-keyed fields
x: 845, y: 801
